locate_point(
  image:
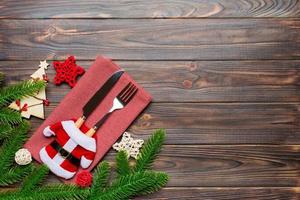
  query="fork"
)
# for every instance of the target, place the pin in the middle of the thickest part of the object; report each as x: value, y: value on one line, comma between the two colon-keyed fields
x: 119, y: 102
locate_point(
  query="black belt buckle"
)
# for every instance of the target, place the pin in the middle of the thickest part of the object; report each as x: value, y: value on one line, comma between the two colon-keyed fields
x: 64, y: 153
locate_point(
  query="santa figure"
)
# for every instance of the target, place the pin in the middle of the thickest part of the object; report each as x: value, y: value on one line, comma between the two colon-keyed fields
x: 70, y: 149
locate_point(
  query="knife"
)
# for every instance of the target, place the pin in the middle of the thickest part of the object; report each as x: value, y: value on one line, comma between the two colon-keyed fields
x: 98, y: 97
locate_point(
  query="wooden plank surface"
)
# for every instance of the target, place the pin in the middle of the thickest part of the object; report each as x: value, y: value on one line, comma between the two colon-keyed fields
x: 238, y: 166
x: 149, y: 9
x: 224, y: 75
x: 224, y: 193
x: 146, y: 39
x: 250, y: 193
x: 192, y: 81
x: 210, y: 123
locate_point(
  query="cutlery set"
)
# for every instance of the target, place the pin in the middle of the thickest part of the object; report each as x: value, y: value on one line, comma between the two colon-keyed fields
x: 119, y: 102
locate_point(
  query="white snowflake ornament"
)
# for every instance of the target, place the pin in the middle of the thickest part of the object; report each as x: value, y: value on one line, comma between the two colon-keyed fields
x: 128, y: 144
x: 23, y: 157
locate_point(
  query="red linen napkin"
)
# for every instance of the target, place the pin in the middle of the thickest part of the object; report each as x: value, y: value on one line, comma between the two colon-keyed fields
x: 72, y: 104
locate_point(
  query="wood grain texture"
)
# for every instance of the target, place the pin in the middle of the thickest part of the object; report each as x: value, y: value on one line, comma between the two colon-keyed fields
x: 192, y: 81
x: 239, y: 166
x: 206, y: 123
x: 149, y: 9
x: 224, y: 74
x: 227, y: 166
x: 145, y: 39
x: 190, y: 193
x: 217, y: 193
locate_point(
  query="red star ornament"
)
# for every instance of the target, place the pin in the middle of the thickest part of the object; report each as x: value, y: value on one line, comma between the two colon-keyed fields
x: 67, y: 71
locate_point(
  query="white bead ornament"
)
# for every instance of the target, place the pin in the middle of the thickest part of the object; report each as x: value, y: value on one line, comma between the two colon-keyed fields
x: 128, y: 144
x: 23, y: 157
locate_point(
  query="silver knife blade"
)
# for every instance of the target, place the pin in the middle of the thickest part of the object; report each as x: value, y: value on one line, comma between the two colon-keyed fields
x: 101, y: 93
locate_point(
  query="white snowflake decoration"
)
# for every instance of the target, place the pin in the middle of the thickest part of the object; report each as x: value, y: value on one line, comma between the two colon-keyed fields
x: 23, y: 157
x: 128, y: 144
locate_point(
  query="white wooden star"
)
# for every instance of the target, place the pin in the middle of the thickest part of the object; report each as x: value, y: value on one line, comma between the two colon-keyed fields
x: 43, y: 64
x: 128, y: 144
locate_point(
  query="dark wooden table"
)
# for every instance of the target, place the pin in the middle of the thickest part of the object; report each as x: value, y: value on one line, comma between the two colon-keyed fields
x: 224, y: 74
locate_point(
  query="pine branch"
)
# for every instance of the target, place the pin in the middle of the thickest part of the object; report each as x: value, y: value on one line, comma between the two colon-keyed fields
x: 11, y: 145
x: 17, y: 91
x: 101, y: 176
x: 128, y: 186
x: 150, y: 150
x: 9, y: 116
x: 122, y: 163
x: 61, y: 192
x: 7, y: 194
x: 161, y: 179
x: 5, y: 131
x: 14, y: 175
x: 35, y: 178
x: 54, y: 192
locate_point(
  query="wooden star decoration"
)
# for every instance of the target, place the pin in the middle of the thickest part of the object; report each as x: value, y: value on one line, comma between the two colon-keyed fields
x: 43, y: 64
x: 67, y: 71
x: 128, y: 144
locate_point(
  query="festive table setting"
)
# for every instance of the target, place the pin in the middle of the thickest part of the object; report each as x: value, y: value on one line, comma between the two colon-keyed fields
x: 105, y: 99
x: 187, y: 99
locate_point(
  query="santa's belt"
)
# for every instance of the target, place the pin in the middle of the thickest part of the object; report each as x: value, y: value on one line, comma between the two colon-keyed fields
x: 64, y: 153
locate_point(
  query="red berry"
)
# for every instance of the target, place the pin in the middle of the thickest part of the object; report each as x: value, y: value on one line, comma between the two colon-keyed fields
x: 46, y: 102
x: 18, y: 102
x: 24, y: 108
x: 45, y: 78
x: 84, y: 179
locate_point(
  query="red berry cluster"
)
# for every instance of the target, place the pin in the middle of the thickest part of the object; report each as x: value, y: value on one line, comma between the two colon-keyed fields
x: 22, y: 108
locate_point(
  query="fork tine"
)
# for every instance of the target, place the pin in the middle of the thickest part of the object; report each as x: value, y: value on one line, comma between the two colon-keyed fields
x: 124, y: 90
x: 131, y: 95
x: 127, y: 93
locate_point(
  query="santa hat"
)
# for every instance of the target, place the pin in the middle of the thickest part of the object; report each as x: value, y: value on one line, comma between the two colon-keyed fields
x: 70, y: 149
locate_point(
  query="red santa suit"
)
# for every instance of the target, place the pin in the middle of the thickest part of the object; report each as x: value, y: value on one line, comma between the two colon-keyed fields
x: 71, y: 149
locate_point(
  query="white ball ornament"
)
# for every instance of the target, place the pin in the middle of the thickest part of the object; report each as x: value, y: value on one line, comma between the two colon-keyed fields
x: 23, y: 157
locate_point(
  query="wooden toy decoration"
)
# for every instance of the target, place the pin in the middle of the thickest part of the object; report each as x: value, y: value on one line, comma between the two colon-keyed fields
x: 34, y: 105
